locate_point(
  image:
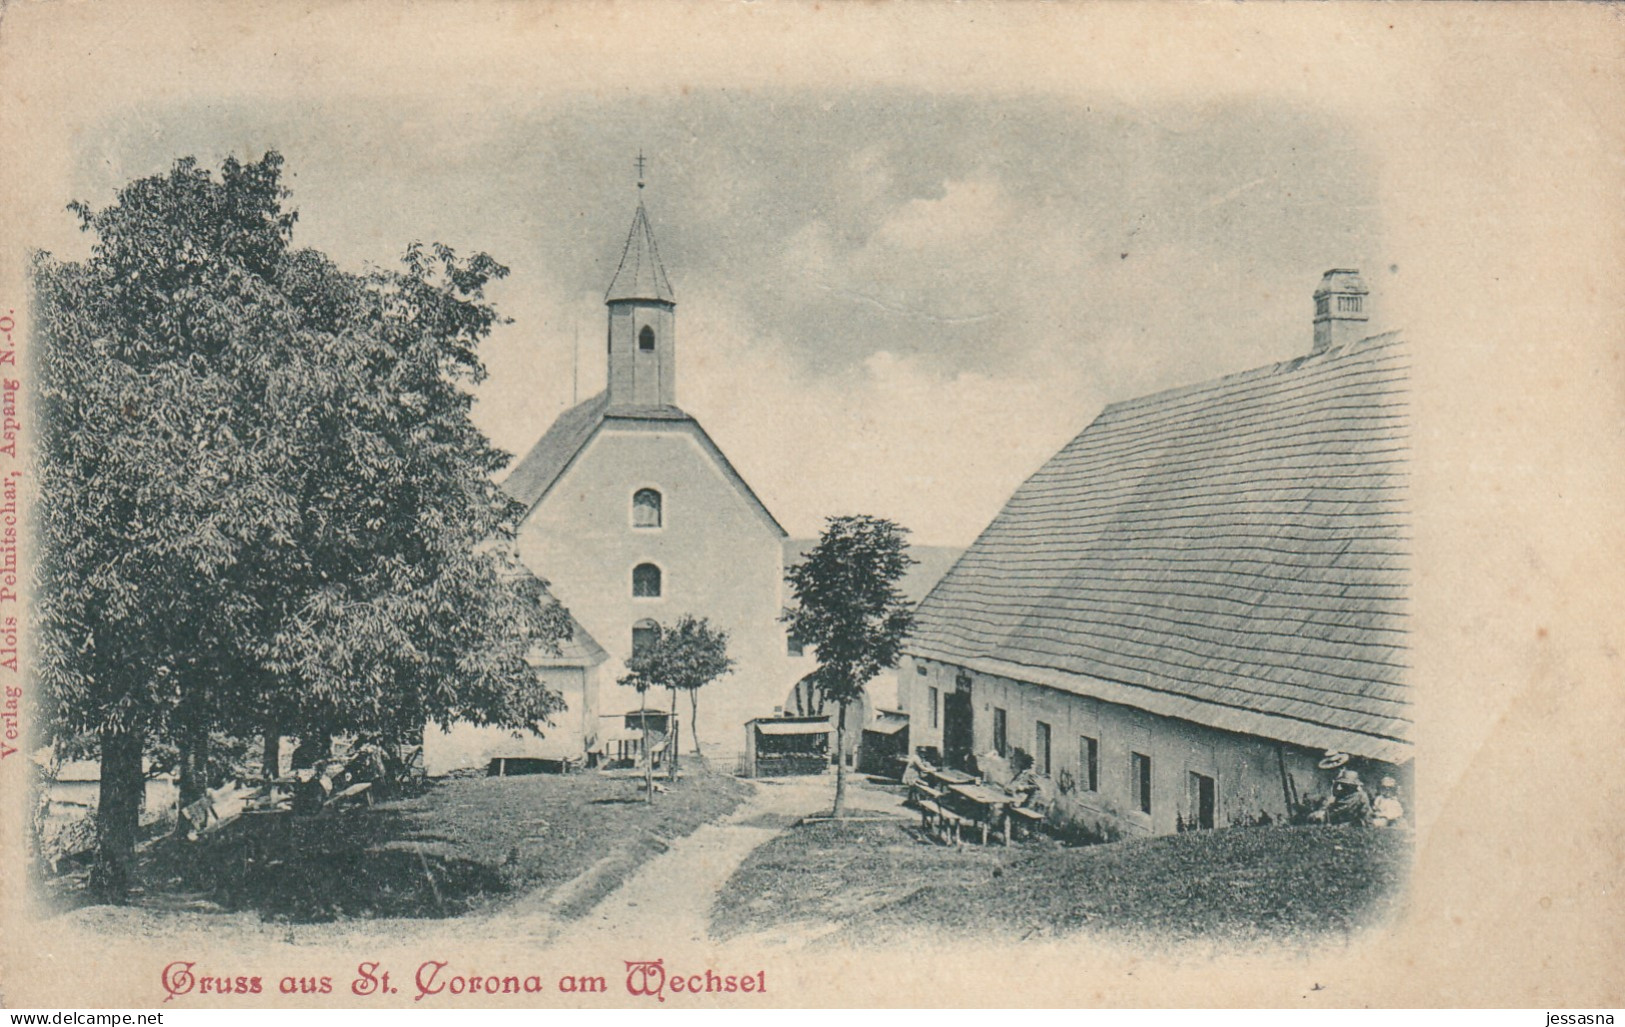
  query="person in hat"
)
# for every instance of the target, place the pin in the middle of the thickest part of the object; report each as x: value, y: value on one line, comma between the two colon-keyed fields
x: 1348, y: 803
x: 1317, y: 802
x: 1386, y: 809
x: 1333, y: 760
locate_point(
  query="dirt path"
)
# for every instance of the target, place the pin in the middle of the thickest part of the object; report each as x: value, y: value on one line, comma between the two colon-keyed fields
x: 663, y: 902
x: 668, y: 900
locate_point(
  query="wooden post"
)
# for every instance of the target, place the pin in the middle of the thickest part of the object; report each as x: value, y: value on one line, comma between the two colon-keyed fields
x: 648, y: 757
x: 671, y: 740
x: 840, y: 760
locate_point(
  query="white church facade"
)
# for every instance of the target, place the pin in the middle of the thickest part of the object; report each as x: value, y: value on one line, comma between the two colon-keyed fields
x: 635, y: 517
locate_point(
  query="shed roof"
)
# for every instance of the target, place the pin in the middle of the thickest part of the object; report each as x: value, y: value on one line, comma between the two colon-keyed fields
x: 1234, y: 553
x: 793, y: 726
x: 579, y: 650
x: 887, y: 722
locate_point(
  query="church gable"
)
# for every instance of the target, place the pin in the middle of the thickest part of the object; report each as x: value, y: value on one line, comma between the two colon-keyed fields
x: 641, y: 392
x: 644, y: 451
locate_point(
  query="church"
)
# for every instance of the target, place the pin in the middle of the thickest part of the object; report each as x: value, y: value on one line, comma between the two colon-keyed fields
x: 635, y: 517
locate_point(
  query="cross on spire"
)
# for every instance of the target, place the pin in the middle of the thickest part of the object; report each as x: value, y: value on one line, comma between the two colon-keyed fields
x: 640, y: 167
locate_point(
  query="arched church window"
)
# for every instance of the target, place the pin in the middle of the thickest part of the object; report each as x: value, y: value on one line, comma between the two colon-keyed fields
x: 644, y: 634
x: 646, y: 339
x: 646, y: 581
x: 646, y: 508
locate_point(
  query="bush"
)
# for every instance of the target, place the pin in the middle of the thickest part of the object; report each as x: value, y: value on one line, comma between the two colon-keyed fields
x: 1073, y: 823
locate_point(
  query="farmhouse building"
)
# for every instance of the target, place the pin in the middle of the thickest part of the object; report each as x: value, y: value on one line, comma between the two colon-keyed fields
x: 635, y: 517
x: 1199, y: 595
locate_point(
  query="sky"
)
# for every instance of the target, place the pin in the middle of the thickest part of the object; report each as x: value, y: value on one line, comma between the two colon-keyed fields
x: 889, y: 302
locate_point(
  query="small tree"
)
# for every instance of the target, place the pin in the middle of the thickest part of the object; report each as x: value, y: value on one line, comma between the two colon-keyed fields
x: 696, y: 654
x: 684, y: 657
x: 848, y: 606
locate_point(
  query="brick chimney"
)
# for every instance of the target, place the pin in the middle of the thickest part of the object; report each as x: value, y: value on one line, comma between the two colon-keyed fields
x: 1341, y: 309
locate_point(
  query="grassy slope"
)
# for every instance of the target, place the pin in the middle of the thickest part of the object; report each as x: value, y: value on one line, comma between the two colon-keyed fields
x: 1251, y: 884
x: 464, y: 845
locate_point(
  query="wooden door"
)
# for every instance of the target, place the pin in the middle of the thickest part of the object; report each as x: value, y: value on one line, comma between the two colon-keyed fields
x: 956, y: 729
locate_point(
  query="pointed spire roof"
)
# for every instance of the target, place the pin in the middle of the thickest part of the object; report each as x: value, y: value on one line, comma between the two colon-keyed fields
x: 641, y: 276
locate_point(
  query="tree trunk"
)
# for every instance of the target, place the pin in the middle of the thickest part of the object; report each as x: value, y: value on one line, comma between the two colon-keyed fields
x: 694, y: 720
x: 194, y: 766
x: 840, y: 761
x: 271, y: 767
x: 118, y: 813
x: 672, y: 740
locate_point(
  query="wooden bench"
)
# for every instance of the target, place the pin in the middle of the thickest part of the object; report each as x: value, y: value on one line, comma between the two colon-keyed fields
x: 1021, y: 816
x: 929, y: 811
x: 939, y: 820
x: 920, y: 792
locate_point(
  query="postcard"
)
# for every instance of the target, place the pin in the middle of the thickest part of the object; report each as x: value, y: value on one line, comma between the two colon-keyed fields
x: 800, y: 505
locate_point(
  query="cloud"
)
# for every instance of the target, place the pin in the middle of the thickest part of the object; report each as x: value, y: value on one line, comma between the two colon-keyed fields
x: 890, y: 436
x: 886, y: 301
x: 965, y: 214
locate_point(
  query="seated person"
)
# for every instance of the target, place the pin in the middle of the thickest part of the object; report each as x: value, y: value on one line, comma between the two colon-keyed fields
x: 994, y: 769
x: 1348, y: 803
x: 915, y: 767
x: 1386, y: 809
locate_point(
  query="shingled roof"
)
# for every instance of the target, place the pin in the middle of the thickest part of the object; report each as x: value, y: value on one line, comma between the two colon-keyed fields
x: 1233, y: 553
x: 540, y: 469
x: 537, y: 470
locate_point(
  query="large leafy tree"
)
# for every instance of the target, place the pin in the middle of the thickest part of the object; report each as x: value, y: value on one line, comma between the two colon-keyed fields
x: 263, y: 504
x: 848, y: 606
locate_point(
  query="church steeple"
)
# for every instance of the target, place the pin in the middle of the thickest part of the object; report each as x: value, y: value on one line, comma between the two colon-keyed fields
x: 640, y: 275
x: 642, y: 321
